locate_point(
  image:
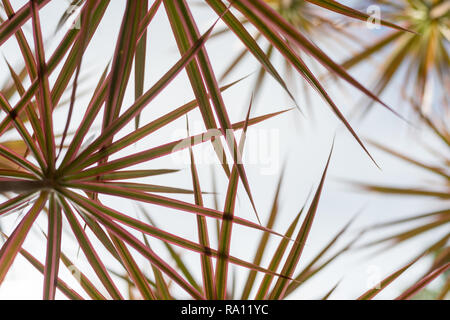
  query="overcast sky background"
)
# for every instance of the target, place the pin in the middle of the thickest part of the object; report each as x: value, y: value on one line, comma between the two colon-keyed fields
x: 302, y: 142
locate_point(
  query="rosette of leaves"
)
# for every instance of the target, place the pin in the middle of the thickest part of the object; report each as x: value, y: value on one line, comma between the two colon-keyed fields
x: 421, y: 59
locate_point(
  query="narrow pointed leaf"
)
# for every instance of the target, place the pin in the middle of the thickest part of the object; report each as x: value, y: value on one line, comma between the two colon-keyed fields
x: 89, y: 251
x: 276, y: 259
x: 12, y: 246
x: 61, y: 285
x: 82, y: 279
x: 133, y: 269
x: 45, y: 101
x: 10, y: 26
x: 291, y: 263
x: 139, y: 60
x: 350, y: 12
x: 221, y: 271
x: 263, y: 242
x: 413, y: 290
x: 53, y: 249
x: 371, y: 293
x: 202, y: 229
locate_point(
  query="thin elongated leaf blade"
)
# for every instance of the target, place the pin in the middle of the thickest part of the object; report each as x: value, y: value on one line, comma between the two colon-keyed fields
x: 263, y: 242
x: 291, y: 263
x: 89, y: 251
x: 276, y: 259
x: 53, y: 249
x: 414, y: 289
x: 12, y: 246
x: 371, y: 293
x: 350, y: 12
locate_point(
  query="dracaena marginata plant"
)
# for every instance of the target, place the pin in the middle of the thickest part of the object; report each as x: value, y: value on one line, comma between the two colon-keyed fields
x: 65, y: 176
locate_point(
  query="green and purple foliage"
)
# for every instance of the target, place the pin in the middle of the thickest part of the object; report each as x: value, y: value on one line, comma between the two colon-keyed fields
x: 65, y: 175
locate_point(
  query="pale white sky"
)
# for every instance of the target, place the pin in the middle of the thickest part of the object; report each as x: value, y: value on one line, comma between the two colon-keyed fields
x: 302, y: 141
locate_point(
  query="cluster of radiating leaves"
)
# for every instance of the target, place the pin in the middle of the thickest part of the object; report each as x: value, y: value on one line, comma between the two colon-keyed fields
x: 64, y: 176
x: 421, y: 58
x: 433, y: 223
